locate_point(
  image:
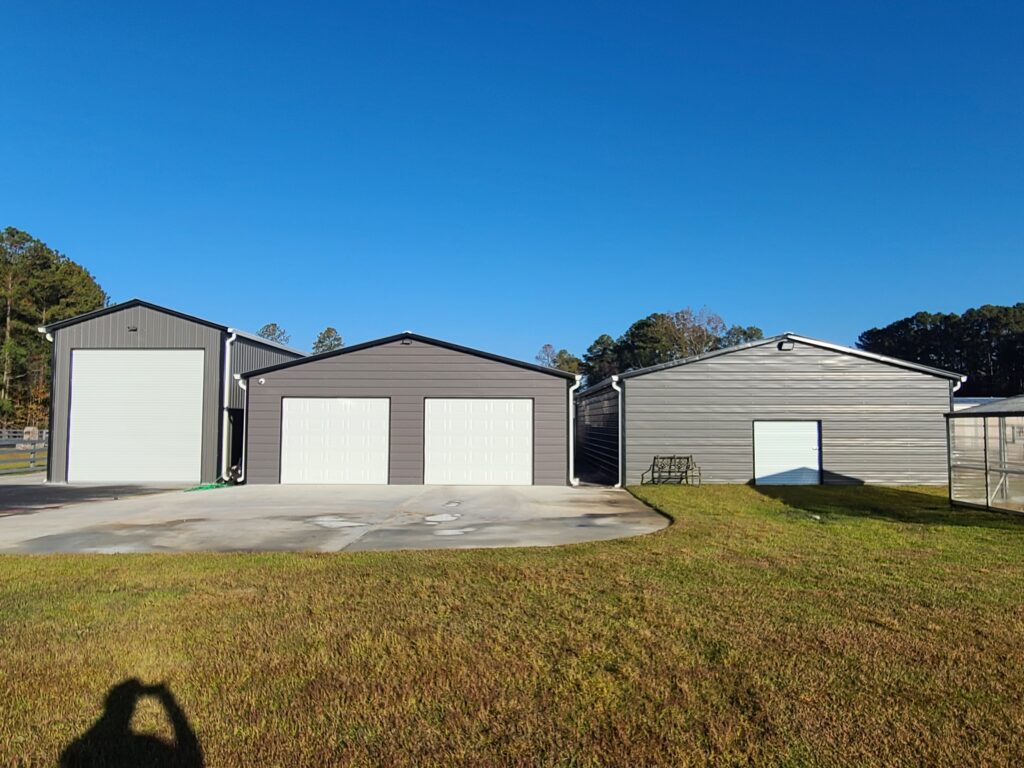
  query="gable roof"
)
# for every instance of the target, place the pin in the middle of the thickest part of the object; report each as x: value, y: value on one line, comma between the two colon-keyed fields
x: 267, y: 342
x: 1007, y: 406
x: 412, y: 337
x: 884, y: 359
x: 132, y: 303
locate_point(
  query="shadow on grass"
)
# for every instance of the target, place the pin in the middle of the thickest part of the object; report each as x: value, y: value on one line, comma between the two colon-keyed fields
x: 112, y: 742
x: 896, y: 504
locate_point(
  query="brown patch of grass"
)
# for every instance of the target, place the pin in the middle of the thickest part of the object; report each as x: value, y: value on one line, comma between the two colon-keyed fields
x: 826, y: 626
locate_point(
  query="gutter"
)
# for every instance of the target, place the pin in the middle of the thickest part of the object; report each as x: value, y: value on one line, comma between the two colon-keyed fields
x: 245, y: 420
x: 622, y: 470
x: 225, y: 422
x: 573, y: 480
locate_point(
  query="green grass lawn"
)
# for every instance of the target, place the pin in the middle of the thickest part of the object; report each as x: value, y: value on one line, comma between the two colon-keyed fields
x: 818, y: 626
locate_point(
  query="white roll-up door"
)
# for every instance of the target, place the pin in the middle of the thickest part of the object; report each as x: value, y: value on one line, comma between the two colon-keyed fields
x: 136, y: 416
x: 786, y: 452
x: 335, y: 440
x: 478, y: 442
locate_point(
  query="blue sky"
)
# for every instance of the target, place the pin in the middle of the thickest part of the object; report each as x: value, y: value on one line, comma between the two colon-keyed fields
x: 505, y: 175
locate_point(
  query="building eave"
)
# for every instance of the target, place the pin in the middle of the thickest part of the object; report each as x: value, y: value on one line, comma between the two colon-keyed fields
x: 413, y: 337
x: 130, y: 304
x: 884, y: 359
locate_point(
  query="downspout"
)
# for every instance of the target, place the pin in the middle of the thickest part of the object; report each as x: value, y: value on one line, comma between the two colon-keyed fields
x: 245, y: 420
x: 954, y: 386
x: 573, y: 480
x: 49, y: 425
x: 225, y: 444
x: 622, y: 469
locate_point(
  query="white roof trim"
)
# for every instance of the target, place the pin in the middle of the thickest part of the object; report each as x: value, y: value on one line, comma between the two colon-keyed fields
x: 894, y: 361
x: 878, y: 358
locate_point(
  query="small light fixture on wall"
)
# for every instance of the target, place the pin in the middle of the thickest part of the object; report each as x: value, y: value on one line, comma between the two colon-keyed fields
x: 133, y: 329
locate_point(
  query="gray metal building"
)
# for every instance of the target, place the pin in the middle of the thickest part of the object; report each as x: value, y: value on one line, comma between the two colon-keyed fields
x: 783, y: 410
x: 142, y: 393
x: 409, y: 410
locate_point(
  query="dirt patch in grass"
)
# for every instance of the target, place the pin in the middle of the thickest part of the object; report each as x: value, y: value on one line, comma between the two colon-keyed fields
x: 825, y: 626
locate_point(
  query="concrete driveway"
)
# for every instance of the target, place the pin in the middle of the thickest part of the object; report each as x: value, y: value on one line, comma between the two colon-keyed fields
x: 30, y: 492
x: 330, y: 519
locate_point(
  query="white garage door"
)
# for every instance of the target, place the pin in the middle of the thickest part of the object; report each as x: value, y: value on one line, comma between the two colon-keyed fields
x: 136, y: 416
x: 478, y: 442
x: 786, y: 453
x: 331, y: 440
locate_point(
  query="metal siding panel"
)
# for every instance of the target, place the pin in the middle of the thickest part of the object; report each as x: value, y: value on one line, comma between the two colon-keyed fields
x: 597, y: 427
x: 880, y: 423
x: 247, y: 355
x: 156, y: 330
x: 409, y: 373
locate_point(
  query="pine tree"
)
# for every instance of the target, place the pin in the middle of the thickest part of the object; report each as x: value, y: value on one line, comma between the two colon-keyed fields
x: 38, y: 286
x: 328, y: 341
x: 274, y: 332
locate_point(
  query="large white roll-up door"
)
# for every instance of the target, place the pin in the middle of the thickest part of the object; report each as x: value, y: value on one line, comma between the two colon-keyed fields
x: 330, y: 440
x: 136, y: 416
x: 786, y: 453
x: 478, y: 442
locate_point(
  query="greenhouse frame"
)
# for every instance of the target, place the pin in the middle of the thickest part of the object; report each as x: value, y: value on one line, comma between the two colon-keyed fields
x: 986, y: 455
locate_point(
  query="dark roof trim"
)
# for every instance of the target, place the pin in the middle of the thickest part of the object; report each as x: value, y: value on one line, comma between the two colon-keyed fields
x: 413, y: 337
x: 775, y: 340
x: 132, y: 303
x: 129, y: 305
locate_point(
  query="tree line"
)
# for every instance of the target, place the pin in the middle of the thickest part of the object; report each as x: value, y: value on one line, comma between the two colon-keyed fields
x: 986, y: 343
x: 38, y: 286
x: 660, y: 337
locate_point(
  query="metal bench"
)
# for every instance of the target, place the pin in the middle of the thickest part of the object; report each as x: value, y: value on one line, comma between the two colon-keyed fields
x: 672, y: 469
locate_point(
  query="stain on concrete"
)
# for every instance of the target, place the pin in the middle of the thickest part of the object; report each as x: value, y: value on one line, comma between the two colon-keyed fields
x: 333, y: 521
x: 444, y: 517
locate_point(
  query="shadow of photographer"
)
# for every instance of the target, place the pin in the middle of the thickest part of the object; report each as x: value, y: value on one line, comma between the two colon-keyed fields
x: 111, y: 742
